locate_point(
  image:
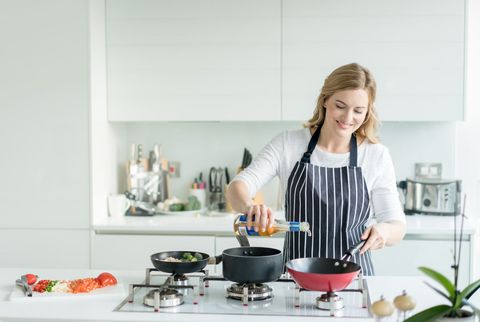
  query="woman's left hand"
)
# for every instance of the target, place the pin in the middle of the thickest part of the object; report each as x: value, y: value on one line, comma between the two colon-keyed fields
x: 375, y: 236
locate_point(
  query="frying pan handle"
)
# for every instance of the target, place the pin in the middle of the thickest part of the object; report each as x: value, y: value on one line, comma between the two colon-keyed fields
x: 353, y: 250
x: 214, y: 260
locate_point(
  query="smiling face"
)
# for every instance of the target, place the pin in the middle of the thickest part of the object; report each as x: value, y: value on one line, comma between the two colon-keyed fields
x: 346, y: 104
x: 346, y: 111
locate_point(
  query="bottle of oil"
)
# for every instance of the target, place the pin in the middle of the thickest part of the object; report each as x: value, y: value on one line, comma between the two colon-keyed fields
x: 240, y: 227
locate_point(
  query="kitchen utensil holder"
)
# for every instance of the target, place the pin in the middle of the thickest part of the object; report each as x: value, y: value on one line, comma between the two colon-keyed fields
x: 217, y: 202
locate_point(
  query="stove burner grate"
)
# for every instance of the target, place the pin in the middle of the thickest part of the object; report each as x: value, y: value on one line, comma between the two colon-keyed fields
x: 165, y: 297
x: 249, y: 292
x: 179, y: 279
x: 329, y: 301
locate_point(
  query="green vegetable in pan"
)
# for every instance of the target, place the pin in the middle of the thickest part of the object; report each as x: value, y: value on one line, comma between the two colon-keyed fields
x: 188, y: 257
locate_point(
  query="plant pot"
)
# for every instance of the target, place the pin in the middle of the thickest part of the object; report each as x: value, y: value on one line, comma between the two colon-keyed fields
x: 467, y: 317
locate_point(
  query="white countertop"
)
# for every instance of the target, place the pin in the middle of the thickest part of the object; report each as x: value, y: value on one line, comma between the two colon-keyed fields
x: 101, y: 309
x: 223, y: 225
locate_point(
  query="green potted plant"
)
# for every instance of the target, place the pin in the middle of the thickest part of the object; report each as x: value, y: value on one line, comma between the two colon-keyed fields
x: 458, y: 299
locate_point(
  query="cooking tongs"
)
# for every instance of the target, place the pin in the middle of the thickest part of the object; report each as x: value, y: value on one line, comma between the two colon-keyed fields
x: 352, y: 251
x: 22, y: 282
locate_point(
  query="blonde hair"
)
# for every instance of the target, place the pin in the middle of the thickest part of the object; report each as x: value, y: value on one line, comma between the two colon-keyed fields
x: 351, y: 76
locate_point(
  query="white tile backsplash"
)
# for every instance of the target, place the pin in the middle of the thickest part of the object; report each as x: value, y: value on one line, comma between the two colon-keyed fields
x: 411, y: 142
x: 200, y: 145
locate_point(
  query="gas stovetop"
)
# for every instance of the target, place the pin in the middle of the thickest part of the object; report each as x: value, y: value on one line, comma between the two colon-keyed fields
x: 200, y: 293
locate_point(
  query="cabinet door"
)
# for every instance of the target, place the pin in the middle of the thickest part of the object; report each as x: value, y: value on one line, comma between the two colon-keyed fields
x: 405, y: 258
x: 133, y: 251
x: 44, y: 115
x: 222, y: 243
x: 193, y: 60
x: 415, y: 50
x: 45, y: 248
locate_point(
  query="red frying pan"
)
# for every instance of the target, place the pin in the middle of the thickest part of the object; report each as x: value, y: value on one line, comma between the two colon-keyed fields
x: 325, y: 274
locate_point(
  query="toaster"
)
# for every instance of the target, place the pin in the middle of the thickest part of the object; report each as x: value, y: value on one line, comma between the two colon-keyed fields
x: 432, y: 196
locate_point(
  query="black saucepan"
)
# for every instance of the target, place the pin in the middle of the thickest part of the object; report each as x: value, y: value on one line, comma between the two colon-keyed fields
x: 252, y: 264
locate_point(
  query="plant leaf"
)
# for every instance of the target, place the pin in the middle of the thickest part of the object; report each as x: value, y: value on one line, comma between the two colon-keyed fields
x: 438, y: 291
x: 445, y: 282
x: 474, y: 308
x: 429, y: 314
x: 470, y: 290
x: 466, y: 293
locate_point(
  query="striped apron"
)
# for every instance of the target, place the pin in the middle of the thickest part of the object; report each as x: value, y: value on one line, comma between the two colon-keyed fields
x: 334, y: 201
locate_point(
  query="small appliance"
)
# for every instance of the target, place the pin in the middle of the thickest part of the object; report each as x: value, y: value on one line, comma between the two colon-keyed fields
x: 431, y: 196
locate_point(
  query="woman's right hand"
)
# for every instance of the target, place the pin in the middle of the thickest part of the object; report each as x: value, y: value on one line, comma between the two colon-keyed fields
x: 260, y: 217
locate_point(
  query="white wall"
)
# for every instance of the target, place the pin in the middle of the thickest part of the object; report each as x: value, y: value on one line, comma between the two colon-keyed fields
x: 411, y: 142
x: 468, y: 132
x: 202, y: 145
x: 467, y: 154
x: 107, y: 139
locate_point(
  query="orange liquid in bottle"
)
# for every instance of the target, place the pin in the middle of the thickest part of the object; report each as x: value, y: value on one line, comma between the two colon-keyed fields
x: 240, y: 227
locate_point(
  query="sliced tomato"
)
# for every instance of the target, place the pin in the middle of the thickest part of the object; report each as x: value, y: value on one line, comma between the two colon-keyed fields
x: 31, y: 278
x: 41, y: 286
x: 84, y: 285
x: 106, y: 279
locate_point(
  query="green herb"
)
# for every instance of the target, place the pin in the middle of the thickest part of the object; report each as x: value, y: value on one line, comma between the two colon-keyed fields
x: 50, y: 286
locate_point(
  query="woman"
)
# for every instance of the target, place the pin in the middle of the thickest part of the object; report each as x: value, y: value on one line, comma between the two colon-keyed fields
x: 335, y: 175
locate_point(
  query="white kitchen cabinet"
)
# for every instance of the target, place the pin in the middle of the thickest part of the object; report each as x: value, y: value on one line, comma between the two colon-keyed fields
x: 44, y: 114
x: 405, y: 258
x: 118, y: 251
x: 45, y: 248
x: 267, y: 60
x: 414, y: 49
x: 193, y: 60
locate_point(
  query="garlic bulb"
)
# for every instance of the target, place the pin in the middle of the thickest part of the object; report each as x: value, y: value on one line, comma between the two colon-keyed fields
x: 404, y: 302
x: 381, y: 308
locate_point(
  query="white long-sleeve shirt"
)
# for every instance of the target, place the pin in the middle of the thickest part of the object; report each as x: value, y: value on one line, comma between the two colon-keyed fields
x: 279, y: 156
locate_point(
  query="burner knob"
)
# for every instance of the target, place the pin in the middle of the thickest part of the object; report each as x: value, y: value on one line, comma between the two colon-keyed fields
x: 427, y: 202
x: 381, y: 308
x: 404, y: 304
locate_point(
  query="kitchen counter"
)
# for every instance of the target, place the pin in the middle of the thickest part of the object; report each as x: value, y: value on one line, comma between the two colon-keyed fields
x: 222, y: 225
x: 101, y: 309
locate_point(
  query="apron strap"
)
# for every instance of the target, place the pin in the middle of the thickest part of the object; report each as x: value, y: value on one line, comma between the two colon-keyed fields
x: 311, y: 146
x: 313, y: 142
x: 353, y: 151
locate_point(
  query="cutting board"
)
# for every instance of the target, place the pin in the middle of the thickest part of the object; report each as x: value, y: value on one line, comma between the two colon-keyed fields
x: 17, y: 294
